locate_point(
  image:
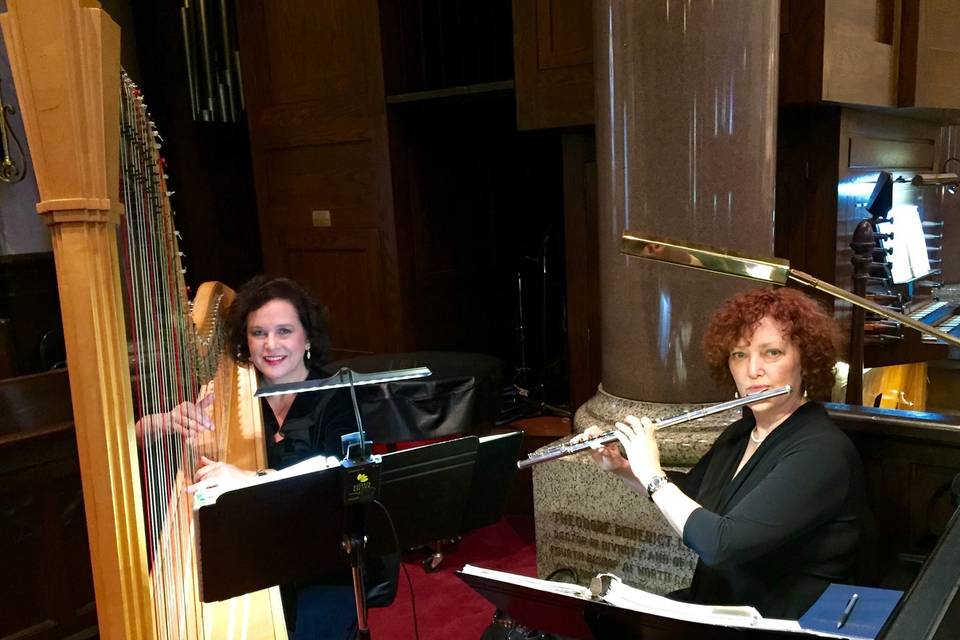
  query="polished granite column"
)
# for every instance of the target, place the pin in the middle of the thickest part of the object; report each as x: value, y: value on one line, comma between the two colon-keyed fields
x: 686, y: 121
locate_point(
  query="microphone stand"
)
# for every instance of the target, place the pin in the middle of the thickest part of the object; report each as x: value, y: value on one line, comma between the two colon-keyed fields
x: 360, y: 478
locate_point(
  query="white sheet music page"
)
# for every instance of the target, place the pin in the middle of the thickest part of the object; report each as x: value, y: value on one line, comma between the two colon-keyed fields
x: 560, y: 588
x: 626, y: 597
x: 208, y: 492
x: 613, y: 591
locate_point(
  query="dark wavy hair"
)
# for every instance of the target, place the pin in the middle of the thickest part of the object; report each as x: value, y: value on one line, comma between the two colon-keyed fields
x: 259, y: 291
x: 805, y: 322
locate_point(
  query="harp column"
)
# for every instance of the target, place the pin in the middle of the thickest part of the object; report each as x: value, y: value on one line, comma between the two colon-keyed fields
x: 65, y: 59
x: 686, y: 96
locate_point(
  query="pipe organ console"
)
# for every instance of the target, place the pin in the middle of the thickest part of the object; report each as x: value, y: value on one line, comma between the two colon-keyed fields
x: 898, y: 263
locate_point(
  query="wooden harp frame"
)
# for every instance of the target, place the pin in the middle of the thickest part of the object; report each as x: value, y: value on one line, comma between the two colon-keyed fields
x: 65, y: 58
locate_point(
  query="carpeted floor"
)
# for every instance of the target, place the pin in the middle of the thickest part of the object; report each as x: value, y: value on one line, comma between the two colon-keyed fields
x: 446, y: 606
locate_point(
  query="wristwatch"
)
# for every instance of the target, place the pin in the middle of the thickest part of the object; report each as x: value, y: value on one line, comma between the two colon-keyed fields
x: 655, y: 484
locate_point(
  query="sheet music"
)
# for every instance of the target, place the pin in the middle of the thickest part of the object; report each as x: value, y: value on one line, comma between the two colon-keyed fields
x: 561, y: 588
x: 627, y: 597
x: 618, y: 594
x: 209, y: 492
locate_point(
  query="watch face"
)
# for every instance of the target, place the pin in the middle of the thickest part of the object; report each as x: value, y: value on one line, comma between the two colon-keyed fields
x: 655, y: 484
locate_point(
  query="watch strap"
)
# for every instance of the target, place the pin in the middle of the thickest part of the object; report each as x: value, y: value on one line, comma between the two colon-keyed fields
x: 655, y: 484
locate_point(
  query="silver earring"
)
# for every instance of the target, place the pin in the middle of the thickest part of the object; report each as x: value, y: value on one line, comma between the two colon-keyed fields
x: 308, y: 353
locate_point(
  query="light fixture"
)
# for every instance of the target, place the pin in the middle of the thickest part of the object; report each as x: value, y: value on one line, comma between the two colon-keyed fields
x: 935, y: 180
x: 769, y: 270
x: 943, y: 179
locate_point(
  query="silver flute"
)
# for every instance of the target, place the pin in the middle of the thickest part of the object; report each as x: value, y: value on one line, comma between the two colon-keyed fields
x: 607, y: 437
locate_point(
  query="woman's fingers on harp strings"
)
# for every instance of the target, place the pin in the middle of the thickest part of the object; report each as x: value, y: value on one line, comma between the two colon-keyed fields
x: 191, y: 419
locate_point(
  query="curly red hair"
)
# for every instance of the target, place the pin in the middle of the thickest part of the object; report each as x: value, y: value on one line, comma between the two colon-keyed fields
x: 805, y: 323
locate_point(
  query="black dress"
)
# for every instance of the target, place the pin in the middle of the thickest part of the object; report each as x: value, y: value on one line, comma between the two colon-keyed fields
x: 312, y: 427
x: 785, y: 527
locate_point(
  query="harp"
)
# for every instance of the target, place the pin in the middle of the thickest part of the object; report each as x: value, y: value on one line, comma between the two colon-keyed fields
x: 65, y: 60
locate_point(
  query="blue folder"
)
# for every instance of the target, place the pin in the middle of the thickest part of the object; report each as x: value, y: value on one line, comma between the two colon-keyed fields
x: 865, y: 620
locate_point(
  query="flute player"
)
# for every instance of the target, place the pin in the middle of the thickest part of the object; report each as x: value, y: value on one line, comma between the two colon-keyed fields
x: 775, y: 508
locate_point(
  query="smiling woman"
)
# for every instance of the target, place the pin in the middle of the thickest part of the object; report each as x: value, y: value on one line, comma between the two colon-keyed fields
x: 279, y: 328
x: 776, y: 507
x: 277, y: 342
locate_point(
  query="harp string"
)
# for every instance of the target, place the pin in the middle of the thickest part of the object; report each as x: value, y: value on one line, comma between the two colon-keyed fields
x: 168, y: 368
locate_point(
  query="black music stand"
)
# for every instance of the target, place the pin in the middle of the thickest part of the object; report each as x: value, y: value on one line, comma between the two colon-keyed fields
x: 442, y: 490
x: 253, y: 537
x: 359, y: 470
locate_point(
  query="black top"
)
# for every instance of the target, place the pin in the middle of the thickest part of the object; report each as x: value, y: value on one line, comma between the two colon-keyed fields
x: 786, y: 526
x: 313, y: 425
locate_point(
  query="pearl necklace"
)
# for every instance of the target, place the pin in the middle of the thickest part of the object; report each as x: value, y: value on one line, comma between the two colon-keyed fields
x: 754, y: 439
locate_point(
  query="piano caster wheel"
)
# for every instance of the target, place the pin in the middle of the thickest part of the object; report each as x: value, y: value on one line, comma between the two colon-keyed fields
x: 432, y: 562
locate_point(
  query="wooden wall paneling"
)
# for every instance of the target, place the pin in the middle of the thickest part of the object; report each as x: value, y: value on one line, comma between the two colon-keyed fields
x: 43, y: 533
x: 343, y: 268
x: 401, y: 36
x: 29, y: 301
x: 806, y: 205
x: 859, y: 58
x: 801, y: 51
x: 437, y: 44
x: 909, y: 461
x: 313, y: 83
x: 553, y: 63
x: 841, y: 51
x: 929, y: 61
x: 462, y: 197
x: 580, y: 232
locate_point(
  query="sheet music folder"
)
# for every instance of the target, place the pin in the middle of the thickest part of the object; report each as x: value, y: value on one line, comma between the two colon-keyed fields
x: 624, y: 612
x: 287, y: 527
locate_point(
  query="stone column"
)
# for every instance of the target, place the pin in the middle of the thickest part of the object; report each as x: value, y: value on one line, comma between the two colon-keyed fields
x: 686, y: 100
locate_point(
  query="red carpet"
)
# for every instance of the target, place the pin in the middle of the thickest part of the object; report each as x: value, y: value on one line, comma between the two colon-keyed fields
x: 446, y: 606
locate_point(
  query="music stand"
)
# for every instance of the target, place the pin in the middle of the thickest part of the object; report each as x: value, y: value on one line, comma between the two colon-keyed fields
x: 249, y: 523
x: 360, y: 469
x: 442, y: 490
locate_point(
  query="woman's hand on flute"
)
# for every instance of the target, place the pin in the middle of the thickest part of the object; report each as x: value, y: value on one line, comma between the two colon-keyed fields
x: 637, y: 436
x: 639, y: 440
x: 606, y: 456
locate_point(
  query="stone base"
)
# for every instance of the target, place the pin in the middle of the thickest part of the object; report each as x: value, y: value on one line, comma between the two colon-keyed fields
x: 589, y: 521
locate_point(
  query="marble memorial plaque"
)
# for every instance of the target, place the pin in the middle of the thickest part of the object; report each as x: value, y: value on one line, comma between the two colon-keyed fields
x: 590, y: 522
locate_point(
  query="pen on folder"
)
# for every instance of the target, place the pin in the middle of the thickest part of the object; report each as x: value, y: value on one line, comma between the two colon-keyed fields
x: 847, y: 610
